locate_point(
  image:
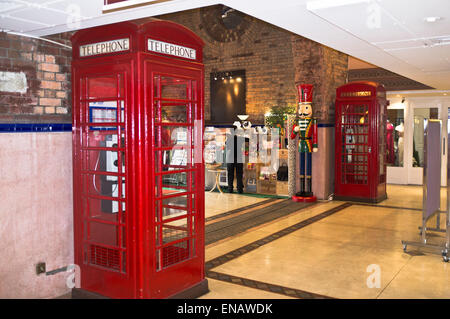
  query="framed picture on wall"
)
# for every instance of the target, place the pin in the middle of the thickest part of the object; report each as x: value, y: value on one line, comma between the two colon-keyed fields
x: 228, y: 96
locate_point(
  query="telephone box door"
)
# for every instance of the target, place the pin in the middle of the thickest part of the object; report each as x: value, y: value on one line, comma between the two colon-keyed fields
x: 175, y: 116
x: 102, y: 243
x: 354, y: 151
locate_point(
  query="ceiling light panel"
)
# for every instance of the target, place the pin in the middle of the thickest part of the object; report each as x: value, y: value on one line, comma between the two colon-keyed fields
x: 367, y: 20
x: 7, y: 6
x: 51, y: 17
x: 415, y: 20
x: 14, y: 24
x: 420, y: 58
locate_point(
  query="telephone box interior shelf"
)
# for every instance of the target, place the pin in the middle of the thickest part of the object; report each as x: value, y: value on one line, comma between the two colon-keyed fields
x: 138, y: 181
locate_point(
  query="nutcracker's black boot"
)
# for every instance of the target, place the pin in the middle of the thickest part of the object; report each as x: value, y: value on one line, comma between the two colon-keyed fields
x: 301, y: 193
x: 308, y: 192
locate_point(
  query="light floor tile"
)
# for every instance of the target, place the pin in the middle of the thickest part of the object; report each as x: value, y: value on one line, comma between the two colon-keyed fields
x: 409, y: 196
x: 223, y: 290
x: 251, y: 235
x: 217, y: 203
x: 422, y: 277
x: 321, y: 267
x: 331, y: 256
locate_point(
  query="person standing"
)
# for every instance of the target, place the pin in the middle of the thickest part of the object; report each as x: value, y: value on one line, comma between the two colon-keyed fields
x: 235, y: 143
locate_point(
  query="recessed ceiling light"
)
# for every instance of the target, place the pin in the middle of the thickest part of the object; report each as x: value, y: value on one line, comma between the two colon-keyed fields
x: 432, y: 19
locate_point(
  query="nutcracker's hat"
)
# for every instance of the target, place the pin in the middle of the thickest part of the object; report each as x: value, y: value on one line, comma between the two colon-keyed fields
x: 305, y: 92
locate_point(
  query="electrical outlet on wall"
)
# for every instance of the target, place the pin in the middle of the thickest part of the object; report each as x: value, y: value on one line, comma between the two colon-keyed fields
x: 40, y: 268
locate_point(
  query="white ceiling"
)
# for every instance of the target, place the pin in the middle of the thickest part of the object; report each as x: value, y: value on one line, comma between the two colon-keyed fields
x: 391, y: 34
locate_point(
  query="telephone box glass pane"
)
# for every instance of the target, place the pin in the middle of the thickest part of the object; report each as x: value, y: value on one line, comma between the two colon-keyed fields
x: 176, y: 201
x: 174, y: 183
x: 175, y: 230
x: 108, y: 86
x: 108, y: 139
x: 355, y: 143
x: 106, y: 112
x: 174, y: 136
x: 173, y: 88
x: 105, y: 162
x: 100, y: 87
x: 171, y: 212
x: 104, y: 185
x: 171, y: 160
x: 102, y: 154
x: 104, y: 209
x: 106, y: 198
x: 105, y: 234
x: 174, y: 113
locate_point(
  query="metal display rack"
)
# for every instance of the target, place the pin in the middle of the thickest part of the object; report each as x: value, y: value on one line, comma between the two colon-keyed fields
x: 431, y: 191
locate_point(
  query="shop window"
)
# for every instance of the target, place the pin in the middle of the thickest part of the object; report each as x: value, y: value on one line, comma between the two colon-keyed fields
x: 394, y: 137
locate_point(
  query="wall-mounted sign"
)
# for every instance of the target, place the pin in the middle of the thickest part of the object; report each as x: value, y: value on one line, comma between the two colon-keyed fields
x: 171, y: 49
x: 15, y: 82
x: 356, y: 94
x: 105, y: 47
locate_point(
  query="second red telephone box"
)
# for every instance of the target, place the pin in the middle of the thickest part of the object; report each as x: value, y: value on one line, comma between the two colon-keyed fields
x: 138, y: 169
x: 360, y: 142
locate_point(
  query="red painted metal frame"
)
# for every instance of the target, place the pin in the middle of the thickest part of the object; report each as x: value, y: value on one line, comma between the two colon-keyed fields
x: 347, y: 95
x: 140, y: 277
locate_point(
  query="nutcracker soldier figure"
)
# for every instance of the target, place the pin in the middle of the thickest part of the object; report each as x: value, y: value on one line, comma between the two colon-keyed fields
x: 305, y: 127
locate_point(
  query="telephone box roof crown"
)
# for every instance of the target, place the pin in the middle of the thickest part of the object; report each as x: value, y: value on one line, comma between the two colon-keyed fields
x: 305, y: 92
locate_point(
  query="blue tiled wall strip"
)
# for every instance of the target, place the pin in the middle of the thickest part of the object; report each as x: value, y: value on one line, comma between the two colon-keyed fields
x: 25, y: 128
x: 66, y: 127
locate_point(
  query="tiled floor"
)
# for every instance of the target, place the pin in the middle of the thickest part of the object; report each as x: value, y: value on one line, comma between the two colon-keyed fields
x: 216, y: 203
x: 332, y: 254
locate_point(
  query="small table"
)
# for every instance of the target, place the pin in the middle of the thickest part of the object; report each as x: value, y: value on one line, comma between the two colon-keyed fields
x: 217, y: 184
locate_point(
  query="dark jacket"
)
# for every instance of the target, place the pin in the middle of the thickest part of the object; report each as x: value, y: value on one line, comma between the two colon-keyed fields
x: 235, y: 145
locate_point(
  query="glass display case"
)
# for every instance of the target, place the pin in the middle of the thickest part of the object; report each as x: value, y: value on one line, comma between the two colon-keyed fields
x: 260, y: 164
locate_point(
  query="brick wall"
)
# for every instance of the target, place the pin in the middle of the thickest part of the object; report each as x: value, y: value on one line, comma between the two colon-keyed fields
x: 47, y: 69
x: 323, y: 67
x: 263, y: 51
x: 273, y: 58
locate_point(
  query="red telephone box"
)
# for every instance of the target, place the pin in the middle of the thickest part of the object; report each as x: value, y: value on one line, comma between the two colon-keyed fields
x: 138, y: 177
x: 360, y: 142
